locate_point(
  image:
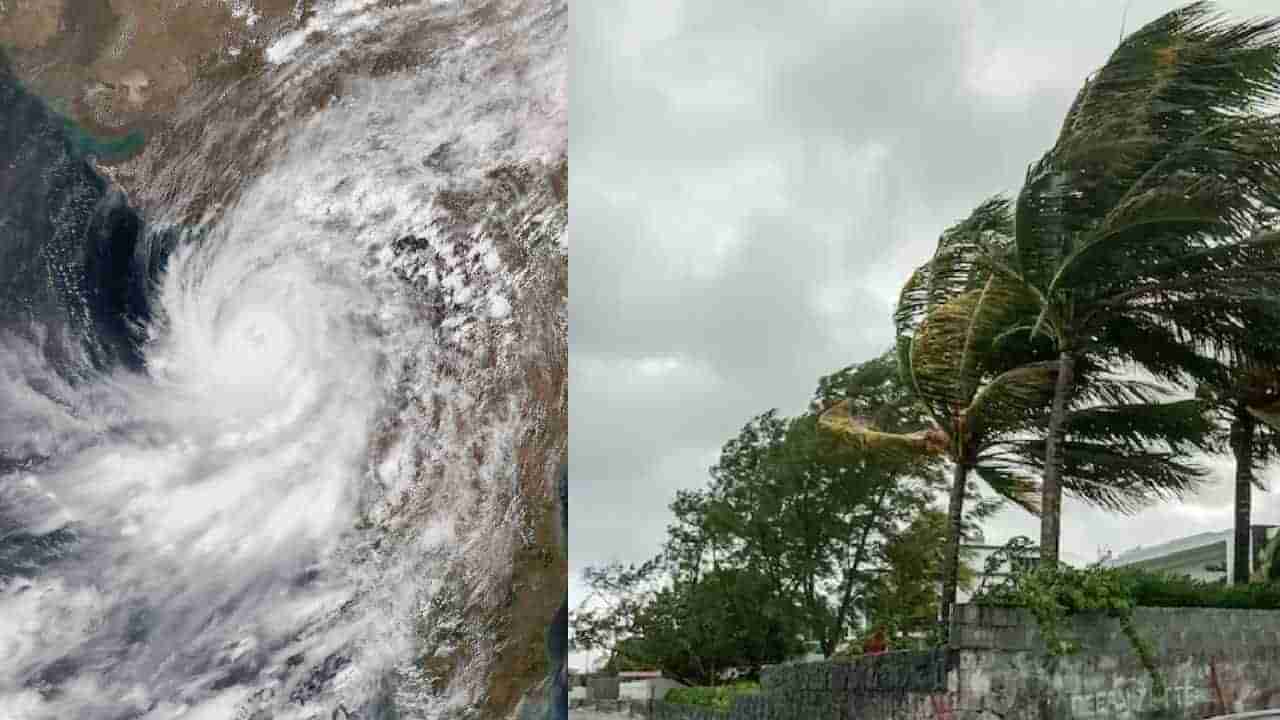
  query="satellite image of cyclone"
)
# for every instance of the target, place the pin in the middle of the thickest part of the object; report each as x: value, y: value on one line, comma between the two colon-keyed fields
x: 283, y: 358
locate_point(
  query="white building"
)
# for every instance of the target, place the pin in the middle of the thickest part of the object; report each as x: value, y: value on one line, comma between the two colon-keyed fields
x: 1206, y: 556
x: 645, y: 685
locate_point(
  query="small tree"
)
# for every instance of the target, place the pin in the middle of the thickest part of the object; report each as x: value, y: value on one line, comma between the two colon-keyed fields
x: 903, y: 599
x: 810, y: 515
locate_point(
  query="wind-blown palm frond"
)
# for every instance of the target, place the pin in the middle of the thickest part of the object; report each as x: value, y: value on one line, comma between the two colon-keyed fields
x: 1128, y: 230
x: 952, y: 271
x: 1115, y: 478
x: 1159, y: 144
x: 952, y: 347
x: 1163, y: 352
x: 1011, y: 402
x: 858, y: 432
x: 1098, y: 384
x: 1181, y: 425
x: 1128, y: 435
x: 1020, y: 488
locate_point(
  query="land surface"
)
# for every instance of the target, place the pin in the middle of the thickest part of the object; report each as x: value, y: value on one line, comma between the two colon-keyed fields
x: 116, y: 66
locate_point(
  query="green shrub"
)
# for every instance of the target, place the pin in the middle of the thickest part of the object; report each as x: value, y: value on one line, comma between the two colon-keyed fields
x: 1051, y: 594
x: 1158, y: 590
x: 719, y: 697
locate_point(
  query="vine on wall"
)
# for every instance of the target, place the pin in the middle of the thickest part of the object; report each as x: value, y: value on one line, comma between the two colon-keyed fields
x: 1052, y: 594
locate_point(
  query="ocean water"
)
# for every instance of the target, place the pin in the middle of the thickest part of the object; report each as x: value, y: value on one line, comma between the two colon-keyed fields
x: 226, y: 490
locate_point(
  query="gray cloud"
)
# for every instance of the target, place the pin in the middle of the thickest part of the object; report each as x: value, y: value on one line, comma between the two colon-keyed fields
x: 751, y: 184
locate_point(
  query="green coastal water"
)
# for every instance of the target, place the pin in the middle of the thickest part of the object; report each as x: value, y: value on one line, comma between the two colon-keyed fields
x: 85, y: 144
x: 82, y: 142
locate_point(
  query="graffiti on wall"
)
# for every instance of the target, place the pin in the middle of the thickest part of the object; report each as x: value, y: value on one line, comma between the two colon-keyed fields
x: 1130, y: 700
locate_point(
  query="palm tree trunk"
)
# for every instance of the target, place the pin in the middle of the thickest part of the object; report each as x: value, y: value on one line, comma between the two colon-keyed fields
x: 1051, y: 492
x: 951, y: 564
x: 1242, y: 431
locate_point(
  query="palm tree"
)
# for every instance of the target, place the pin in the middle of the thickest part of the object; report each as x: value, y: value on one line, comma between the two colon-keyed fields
x: 986, y: 388
x: 1241, y: 402
x: 1127, y: 231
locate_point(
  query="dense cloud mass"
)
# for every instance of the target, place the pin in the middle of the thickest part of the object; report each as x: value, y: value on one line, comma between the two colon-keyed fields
x: 282, y: 383
x: 750, y: 188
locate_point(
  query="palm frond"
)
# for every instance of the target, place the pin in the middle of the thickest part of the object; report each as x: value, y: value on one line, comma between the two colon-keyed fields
x: 1168, y: 355
x: 1182, y: 426
x: 857, y: 432
x: 1203, y: 271
x: 1011, y: 401
x: 1098, y: 384
x: 1268, y: 413
x: 954, y: 267
x: 954, y: 345
x: 1016, y: 487
x: 1167, y: 112
x: 1118, y: 479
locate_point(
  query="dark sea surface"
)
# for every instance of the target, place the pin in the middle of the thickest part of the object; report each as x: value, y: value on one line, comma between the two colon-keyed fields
x: 76, y: 266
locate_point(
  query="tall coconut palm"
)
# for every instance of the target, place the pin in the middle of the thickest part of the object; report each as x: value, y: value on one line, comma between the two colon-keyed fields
x: 986, y: 389
x: 1242, y: 399
x: 1252, y: 443
x: 1127, y: 230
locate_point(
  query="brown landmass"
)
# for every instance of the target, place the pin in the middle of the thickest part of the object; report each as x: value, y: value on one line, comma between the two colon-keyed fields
x: 116, y: 66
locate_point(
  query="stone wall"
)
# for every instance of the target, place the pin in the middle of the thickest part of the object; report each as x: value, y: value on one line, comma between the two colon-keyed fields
x: 1212, y: 661
x: 602, y: 688
x: 872, y: 686
x: 997, y: 668
x: 676, y: 711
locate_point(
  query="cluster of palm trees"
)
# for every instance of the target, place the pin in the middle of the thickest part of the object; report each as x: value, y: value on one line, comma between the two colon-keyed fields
x: 1051, y: 335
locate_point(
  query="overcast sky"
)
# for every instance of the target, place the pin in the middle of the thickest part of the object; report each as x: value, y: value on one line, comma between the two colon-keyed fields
x: 750, y: 187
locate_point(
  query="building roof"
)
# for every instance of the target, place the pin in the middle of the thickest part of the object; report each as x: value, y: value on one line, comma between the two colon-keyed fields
x: 1069, y: 558
x: 1191, y: 542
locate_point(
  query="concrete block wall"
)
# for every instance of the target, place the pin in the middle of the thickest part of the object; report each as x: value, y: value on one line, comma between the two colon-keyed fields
x: 675, y: 711
x: 603, y: 688
x: 1213, y: 662
x: 896, y: 684
x: 801, y: 690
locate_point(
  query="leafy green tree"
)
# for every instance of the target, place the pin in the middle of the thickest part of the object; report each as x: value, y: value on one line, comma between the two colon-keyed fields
x: 692, y: 627
x: 903, y: 599
x: 729, y: 618
x: 616, y: 594
x: 811, y: 515
x: 1127, y: 231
